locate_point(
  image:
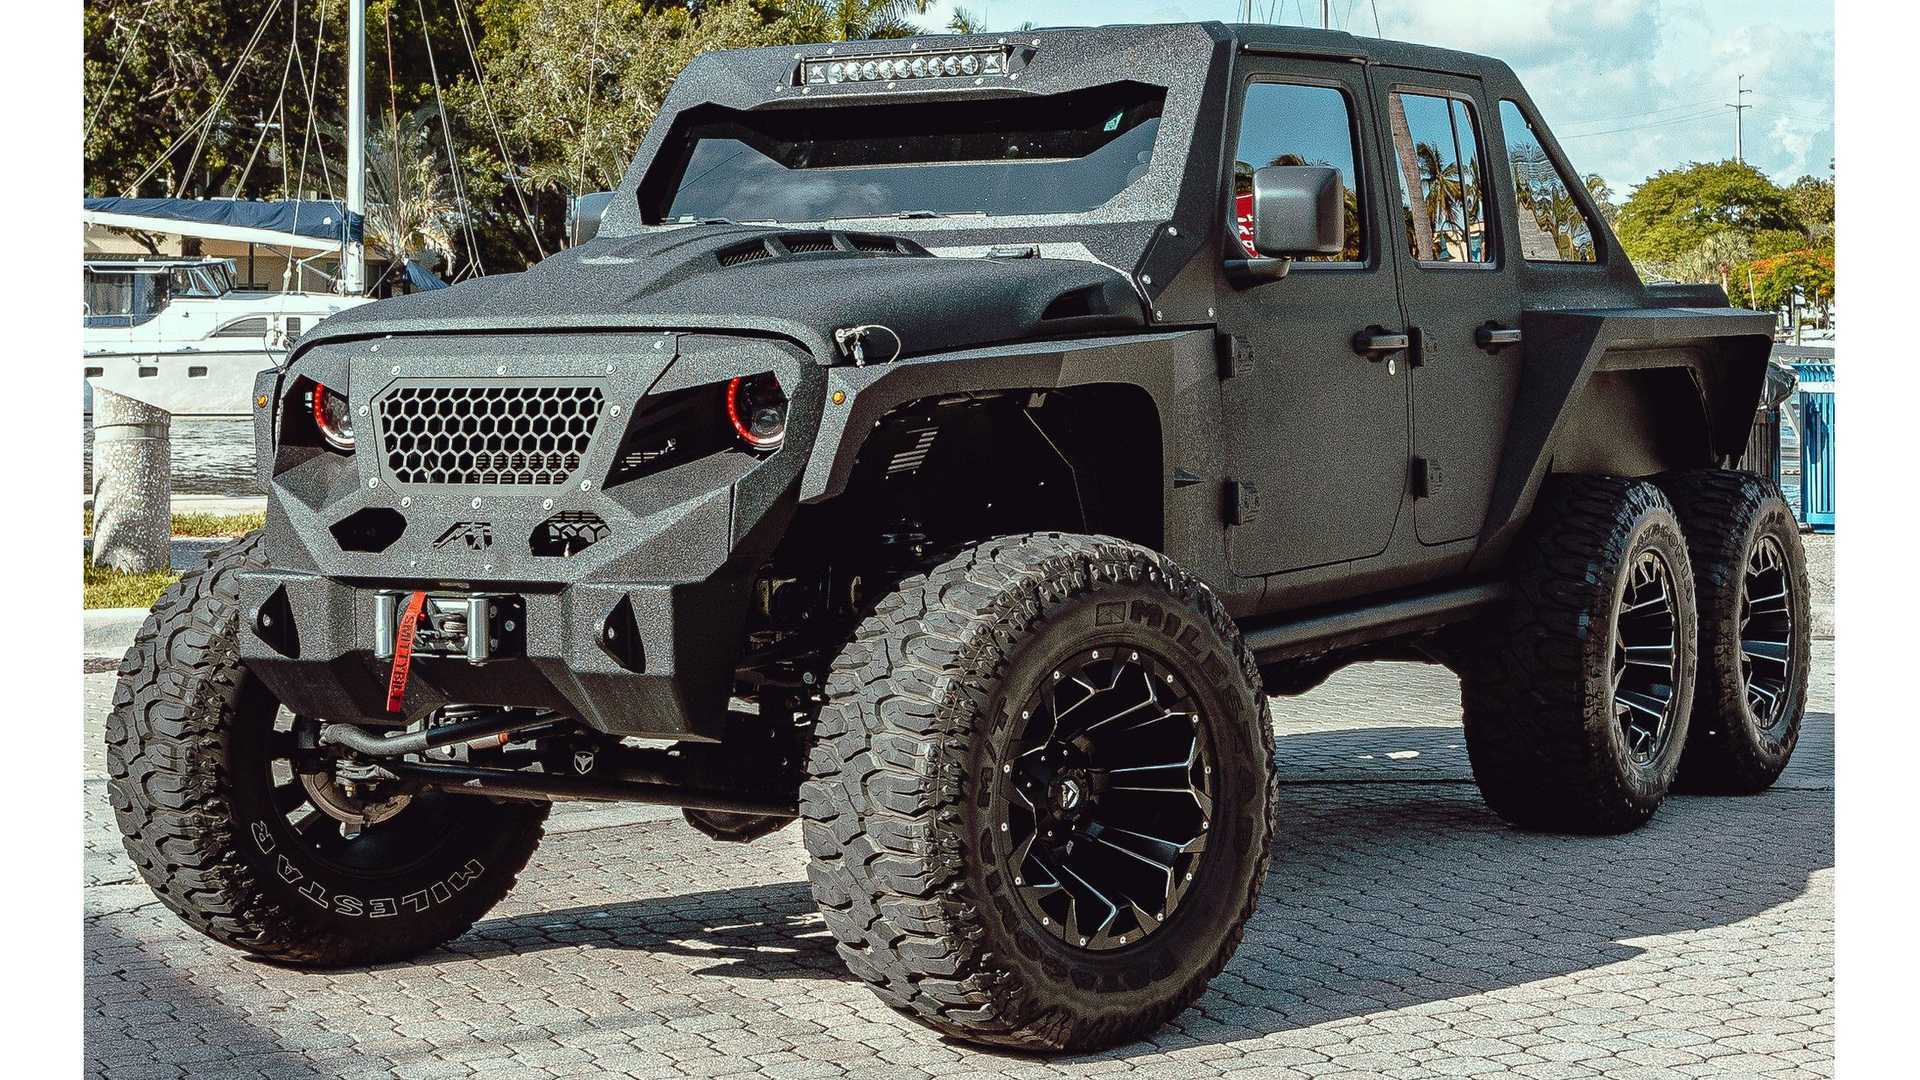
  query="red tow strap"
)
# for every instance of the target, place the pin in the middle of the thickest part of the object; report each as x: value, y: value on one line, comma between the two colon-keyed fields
x: 403, y: 651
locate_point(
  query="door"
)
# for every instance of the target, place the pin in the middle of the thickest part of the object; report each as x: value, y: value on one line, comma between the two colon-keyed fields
x: 1458, y: 290
x: 1317, y: 432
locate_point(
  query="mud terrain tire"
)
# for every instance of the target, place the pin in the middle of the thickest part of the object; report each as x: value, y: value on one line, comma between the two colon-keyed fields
x: 1751, y: 694
x: 1550, y: 748
x: 195, y: 798
x: 914, y: 761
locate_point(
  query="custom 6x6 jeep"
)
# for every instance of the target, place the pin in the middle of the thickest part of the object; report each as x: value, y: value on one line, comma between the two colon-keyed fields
x: 951, y: 443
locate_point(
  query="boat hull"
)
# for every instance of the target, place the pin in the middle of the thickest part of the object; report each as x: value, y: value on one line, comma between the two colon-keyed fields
x: 184, y: 384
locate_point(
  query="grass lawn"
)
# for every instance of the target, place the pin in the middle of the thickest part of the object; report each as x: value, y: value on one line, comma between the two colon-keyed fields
x: 111, y: 588
x: 198, y: 525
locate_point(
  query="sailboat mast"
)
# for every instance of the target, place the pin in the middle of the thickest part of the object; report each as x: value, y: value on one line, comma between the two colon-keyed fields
x: 353, y: 261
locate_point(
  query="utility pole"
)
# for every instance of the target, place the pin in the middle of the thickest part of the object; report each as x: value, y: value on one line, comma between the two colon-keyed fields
x: 1324, y: 24
x: 353, y: 259
x: 1740, y: 107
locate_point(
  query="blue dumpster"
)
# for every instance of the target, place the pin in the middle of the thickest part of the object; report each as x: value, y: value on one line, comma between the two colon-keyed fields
x: 1816, y: 443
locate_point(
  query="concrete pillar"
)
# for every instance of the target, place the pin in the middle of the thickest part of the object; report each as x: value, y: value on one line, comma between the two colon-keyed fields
x: 132, y: 483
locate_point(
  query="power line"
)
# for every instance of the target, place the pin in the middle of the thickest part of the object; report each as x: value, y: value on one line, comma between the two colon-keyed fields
x: 1637, y: 115
x: 1642, y: 127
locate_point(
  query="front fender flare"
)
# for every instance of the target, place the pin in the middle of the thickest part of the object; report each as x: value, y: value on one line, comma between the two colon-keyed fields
x: 1170, y: 367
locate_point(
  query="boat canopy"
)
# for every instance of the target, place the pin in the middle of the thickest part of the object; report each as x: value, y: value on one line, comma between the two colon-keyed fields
x: 309, y: 224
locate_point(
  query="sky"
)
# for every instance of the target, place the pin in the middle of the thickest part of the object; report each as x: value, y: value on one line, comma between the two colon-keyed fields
x: 1630, y: 87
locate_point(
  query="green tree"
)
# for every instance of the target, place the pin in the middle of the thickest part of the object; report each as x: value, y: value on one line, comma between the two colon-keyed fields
x: 1675, y: 211
x: 1812, y: 200
x: 1808, y: 272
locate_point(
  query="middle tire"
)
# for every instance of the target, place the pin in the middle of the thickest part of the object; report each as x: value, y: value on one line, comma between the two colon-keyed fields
x: 1576, y: 695
x: 1041, y: 793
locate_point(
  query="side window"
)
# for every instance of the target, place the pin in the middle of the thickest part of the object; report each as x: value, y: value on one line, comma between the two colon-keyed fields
x: 255, y: 326
x: 1441, y: 181
x: 1552, y: 226
x: 1293, y: 124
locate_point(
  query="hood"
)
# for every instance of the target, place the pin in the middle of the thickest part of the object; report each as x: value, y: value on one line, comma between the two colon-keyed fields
x: 799, y: 284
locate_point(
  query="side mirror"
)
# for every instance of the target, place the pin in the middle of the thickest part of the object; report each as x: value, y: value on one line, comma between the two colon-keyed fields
x: 1298, y: 210
x: 586, y: 212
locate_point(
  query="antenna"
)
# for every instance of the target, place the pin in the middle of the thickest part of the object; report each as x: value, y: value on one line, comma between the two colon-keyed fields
x: 1740, y: 108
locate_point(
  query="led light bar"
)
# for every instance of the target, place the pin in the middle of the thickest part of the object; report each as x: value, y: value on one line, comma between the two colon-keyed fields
x: 933, y: 64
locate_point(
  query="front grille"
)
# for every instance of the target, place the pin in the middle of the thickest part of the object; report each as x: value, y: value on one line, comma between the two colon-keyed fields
x: 515, y: 435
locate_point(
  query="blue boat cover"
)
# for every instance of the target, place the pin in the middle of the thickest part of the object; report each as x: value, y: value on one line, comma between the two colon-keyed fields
x: 321, y: 219
x: 422, y: 278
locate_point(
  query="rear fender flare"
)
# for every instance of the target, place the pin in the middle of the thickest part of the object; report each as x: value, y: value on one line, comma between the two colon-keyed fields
x: 1725, y: 350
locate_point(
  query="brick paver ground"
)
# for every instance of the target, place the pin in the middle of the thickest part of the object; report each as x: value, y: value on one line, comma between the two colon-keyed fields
x: 1405, y: 933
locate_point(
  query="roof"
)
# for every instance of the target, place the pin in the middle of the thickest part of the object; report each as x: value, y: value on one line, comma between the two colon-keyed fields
x: 313, y: 224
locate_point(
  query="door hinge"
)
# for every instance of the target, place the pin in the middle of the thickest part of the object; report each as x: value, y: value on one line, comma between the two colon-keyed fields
x: 1423, y: 479
x: 1243, y: 502
x: 1236, y: 356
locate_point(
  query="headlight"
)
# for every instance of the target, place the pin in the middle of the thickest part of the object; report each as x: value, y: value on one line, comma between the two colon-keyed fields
x: 757, y: 410
x: 332, y: 417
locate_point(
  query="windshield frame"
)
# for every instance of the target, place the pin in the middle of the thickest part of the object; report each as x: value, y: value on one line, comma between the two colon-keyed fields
x: 827, y: 128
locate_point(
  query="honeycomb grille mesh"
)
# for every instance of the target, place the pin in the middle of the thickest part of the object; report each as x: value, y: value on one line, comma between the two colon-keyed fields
x: 516, y: 435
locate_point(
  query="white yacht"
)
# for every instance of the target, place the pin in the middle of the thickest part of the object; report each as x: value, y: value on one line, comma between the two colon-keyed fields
x: 177, y: 334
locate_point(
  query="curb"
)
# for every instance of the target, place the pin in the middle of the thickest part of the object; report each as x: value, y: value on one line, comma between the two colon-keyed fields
x: 108, y: 632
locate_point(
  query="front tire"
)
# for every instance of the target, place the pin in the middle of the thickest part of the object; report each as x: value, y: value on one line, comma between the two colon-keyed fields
x: 1576, y: 695
x: 1756, y: 632
x: 945, y: 754
x: 202, y: 773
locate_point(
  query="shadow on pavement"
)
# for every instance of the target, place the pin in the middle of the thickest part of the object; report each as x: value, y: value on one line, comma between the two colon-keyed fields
x: 1380, y: 896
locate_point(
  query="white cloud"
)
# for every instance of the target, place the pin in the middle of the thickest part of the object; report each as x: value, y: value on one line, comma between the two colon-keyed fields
x: 1663, y: 70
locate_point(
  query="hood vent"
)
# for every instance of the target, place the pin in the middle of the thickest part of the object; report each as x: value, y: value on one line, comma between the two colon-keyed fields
x: 817, y: 243
x: 803, y: 243
x: 742, y: 253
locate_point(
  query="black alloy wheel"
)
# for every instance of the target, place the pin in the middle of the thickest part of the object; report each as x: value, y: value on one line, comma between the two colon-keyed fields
x: 1108, y: 798
x: 1643, y: 658
x: 1756, y: 629
x: 1766, y: 633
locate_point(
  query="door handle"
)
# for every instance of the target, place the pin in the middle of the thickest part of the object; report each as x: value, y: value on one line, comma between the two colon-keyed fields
x: 1493, y: 337
x: 1375, y: 343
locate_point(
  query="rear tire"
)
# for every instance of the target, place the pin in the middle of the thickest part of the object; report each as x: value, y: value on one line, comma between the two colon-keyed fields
x: 224, y: 842
x: 1571, y: 724
x: 928, y: 862
x: 1755, y: 644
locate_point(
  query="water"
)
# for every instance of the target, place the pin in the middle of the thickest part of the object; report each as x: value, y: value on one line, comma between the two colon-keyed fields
x: 211, y: 456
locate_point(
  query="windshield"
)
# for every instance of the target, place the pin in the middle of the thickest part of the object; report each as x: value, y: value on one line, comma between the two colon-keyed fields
x: 1068, y: 153
x: 204, y: 280
x: 122, y: 298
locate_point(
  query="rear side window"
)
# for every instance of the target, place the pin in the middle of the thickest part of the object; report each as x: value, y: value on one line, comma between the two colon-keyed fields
x: 1292, y: 124
x: 1552, y: 226
x: 1442, y: 187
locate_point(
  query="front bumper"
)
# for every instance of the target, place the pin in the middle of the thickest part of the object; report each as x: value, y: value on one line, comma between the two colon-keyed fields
x: 637, y: 633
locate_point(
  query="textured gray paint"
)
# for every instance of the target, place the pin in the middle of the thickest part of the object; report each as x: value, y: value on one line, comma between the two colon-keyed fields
x: 132, y: 483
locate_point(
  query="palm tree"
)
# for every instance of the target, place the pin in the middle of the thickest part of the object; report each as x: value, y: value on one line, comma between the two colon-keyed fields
x: 965, y: 22
x: 1443, y: 193
x: 408, y: 209
x: 855, y: 20
x: 1409, y: 176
